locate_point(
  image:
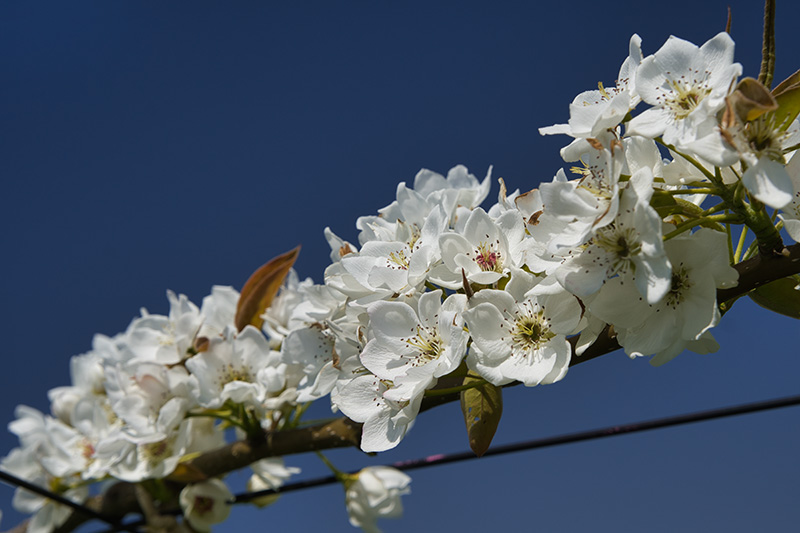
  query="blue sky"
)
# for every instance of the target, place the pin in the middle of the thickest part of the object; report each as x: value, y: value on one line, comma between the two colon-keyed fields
x: 155, y: 146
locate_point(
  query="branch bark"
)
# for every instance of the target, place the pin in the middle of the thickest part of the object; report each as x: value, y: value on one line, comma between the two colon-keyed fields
x: 121, y: 500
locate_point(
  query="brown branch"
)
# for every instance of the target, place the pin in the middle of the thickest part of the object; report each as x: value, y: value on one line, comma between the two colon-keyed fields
x: 761, y: 270
x: 120, y: 499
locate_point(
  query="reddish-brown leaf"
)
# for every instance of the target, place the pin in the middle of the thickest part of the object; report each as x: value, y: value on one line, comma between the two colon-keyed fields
x: 261, y: 288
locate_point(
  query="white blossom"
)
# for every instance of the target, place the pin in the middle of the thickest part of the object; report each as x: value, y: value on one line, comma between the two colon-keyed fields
x: 375, y: 493
x: 519, y: 335
x: 686, y: 86
x: 205, y: 504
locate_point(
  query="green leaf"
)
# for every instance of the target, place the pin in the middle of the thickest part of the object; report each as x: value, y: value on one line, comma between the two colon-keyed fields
x: 787, y: 94
x: 664, y: 204
x: 263, y: 501
x: 787, y: 84
x: 781, y: 296
x: 186, y: 472
x: 482, y: 407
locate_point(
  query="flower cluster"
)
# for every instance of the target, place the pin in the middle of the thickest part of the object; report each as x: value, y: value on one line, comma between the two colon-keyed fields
x: 439, y: 286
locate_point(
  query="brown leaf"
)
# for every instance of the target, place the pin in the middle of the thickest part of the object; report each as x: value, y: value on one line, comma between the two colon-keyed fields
x: 465, y: 283
x: 750, y: 100
x: 261, y: 288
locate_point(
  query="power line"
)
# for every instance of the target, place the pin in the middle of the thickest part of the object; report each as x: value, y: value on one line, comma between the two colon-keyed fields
x: 547, y: 442
x: 441, y: 459
x: 14, y: 480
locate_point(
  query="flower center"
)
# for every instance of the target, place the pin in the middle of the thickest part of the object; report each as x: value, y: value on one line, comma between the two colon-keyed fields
x: 427, y: 344
x: 530, y: 331
x: 155, y: 452
x: 686, y: 95
x: 398, y: 260
x: 87, y: 450
x: 680, y: 284
x: 203, y: 505
x: 763, y: 140
x: 230, y: 374
x: 622, y: 243
x: 596, y: 178
x: 487, y: 258
x: 168, y: 336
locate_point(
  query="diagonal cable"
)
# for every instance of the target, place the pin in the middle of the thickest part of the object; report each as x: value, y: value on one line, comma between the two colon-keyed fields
x: 558, y: 440
x: 27, y: 485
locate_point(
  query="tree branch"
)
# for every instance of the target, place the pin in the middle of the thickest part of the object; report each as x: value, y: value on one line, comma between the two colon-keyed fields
x: 120, y: 499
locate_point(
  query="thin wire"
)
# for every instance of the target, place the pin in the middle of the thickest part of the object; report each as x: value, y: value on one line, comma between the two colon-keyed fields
x: 646, y: 425
x: 14, y: 480
x: 440, y: 459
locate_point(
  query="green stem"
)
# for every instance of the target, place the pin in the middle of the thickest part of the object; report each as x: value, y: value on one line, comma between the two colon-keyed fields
x: 754, y: 217
x: 229, y: 419
x: 297, y: 414
x: 716, y: 209
x: 341, y: 476
x: 768, y: 237
x: 705, y: 190
x: 739, y: 247
x: 689, y: 224
x: 751, y: 251
x: 730, y: 243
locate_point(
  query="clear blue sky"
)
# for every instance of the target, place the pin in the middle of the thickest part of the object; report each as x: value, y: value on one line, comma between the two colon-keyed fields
x: 154, y: 146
